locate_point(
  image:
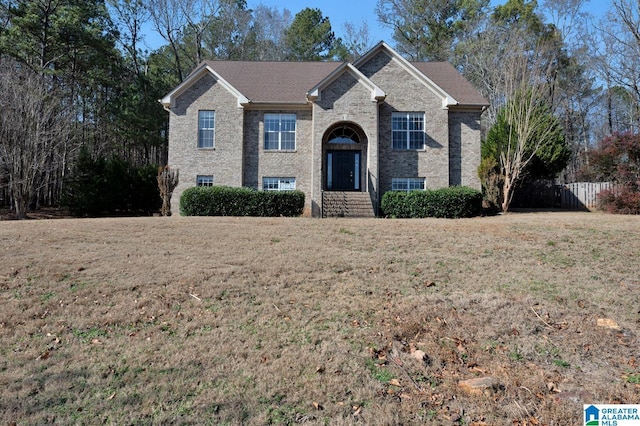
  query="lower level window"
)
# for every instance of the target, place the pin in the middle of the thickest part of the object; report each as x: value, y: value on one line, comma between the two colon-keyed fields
x: 407, y: 184
x: 204, y: 180
x: 278, y: 184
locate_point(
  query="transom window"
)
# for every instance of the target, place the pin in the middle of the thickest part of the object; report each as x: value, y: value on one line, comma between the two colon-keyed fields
x: 206, y: 129
x: 278, y: 184
x: 280, y: 132
x: 344, y: 135
x: 407, y: 184
x: 204, y: 180
x: 407, y: 130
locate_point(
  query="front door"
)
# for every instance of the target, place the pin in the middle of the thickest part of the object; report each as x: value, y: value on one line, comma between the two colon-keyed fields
x: 343, y: 170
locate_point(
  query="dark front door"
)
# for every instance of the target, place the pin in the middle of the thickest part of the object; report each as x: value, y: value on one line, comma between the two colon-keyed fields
x: 343, y: 170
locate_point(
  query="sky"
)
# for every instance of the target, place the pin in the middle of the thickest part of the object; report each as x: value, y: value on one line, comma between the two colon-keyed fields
x: 338, y: 12
x: 356, y: 12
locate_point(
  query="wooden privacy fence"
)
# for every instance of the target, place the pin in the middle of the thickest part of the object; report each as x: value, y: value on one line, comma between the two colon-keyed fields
x: 581, y: 195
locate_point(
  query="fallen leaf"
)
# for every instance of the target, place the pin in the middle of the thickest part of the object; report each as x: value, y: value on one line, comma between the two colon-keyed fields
x: 394, y: 382
x: 317, y: 406
x: 357, y: 409
x: 96, y: 342
x: 44, y: 355
x: 111, y: 396
x: 429, y: 284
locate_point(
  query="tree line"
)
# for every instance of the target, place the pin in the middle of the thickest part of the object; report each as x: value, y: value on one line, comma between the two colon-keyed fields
x: 77, y: 77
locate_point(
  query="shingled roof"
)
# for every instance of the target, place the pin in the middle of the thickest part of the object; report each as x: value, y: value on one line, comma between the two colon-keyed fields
x: 289, y: 82
x: 273, y: 82
x: 451, y: 81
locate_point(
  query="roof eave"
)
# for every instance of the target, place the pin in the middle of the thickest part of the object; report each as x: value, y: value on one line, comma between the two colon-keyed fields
x: 470, y: 107
x: 447, y: 100
x: 169, y: 101
x: 377, y: 94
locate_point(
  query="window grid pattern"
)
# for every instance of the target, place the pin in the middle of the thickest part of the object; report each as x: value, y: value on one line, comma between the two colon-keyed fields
x: 407, y: 184
x: 278, y: 184
x: 280, y: 132
x: 408, y: 130
x: 206, y: 129
x: 204, y: 180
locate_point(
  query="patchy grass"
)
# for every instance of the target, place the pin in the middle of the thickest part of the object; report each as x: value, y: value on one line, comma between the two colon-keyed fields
x: 281, y: 321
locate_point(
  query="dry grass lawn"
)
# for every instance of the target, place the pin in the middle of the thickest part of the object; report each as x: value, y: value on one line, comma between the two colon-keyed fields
x: 283, y: 321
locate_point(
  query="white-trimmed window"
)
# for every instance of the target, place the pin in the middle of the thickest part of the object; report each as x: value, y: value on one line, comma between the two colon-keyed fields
x: 280, y: 132
x: 407, y: 130
x: 407, y: 184
x: 204, y: 180
x: 206, y: 128
x: 278, y: 183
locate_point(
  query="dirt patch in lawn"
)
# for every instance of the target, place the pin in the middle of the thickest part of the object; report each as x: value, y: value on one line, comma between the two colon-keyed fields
x: 282, y: 321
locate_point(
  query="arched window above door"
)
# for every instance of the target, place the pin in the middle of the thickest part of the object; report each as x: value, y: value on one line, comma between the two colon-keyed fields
x: 343, y: 135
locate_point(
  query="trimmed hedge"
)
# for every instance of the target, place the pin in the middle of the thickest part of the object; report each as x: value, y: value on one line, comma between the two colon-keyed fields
x: 228, y: 201
x: 454, y: 202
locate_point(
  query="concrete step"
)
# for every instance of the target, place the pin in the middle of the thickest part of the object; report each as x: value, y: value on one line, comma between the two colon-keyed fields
x: 346, y: 204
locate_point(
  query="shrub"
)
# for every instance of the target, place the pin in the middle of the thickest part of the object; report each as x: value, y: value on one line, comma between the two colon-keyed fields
x: 111, y: 186
x: 228, y: 201
x: 617, y: 160
x: 624, y: 200
x: 453, y: 202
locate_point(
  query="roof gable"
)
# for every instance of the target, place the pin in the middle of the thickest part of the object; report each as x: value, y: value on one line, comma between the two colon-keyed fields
x: 297, y: 83
x: 439, y: 77
x: 377, y: 94
x: 169, y: 100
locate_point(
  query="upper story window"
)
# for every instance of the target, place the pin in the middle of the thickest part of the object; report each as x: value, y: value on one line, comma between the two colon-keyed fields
x: 206, y: 129
x: 280, y: 132
x: 278, y: 184
x: 407, y: 130
x: 204, y: 180
x: 407, y: 184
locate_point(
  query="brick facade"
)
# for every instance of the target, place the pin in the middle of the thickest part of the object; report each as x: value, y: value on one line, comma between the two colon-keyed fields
x: 225, y: 160
x: 406, y: 94
x: 452, y: 134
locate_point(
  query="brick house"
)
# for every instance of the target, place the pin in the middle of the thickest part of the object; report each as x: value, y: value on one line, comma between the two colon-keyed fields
x: 343, y: 133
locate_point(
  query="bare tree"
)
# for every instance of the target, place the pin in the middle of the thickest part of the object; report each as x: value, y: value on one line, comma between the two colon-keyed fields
x: 357, y: 39
x: 199, y: 15
x: 170, y: 21
x: 167, y: 181
x: 34, y: 125
x: 270, y: 25
x: 131, y: 15
x: 530, y: 128
x: 618, y: 51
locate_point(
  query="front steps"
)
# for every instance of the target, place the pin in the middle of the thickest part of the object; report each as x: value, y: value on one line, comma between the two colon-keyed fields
x: 346, y: 204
